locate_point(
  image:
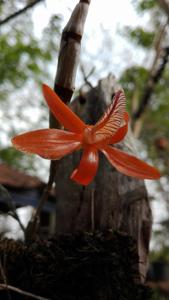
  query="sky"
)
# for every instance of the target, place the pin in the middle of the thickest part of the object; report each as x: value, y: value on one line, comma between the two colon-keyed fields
x: 105, y: 25
x: 109, y: 13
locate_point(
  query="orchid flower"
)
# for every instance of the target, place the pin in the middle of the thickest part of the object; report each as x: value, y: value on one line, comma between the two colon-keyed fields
x: 54, y: 144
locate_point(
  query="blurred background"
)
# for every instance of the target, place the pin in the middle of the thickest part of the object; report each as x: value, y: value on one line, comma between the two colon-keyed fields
x: 129, y: 39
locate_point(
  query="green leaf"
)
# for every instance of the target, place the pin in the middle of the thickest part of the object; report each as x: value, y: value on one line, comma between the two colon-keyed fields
x: 141, y: 37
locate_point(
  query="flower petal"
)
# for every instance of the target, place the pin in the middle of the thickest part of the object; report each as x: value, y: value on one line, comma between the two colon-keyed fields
x: 48, y: 143
x: 130, y: 165
x: 87, y: 168
x: 121, y: 132
x: 62, y: 112
x: 111, y: 120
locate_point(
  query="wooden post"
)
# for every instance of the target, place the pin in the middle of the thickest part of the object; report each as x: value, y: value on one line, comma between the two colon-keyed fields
x: 112, y: 200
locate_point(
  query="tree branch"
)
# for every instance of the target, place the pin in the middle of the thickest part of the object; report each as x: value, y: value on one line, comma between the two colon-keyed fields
x: 19, y: 12
x: 86, y: 77
x: 154, y: 74
x: 164, y: 5
x: 33, y: 224
x: 153, y: 80
x: 19, y: 291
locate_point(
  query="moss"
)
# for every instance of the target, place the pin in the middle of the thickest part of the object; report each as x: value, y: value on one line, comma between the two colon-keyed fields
x: 75, y: 267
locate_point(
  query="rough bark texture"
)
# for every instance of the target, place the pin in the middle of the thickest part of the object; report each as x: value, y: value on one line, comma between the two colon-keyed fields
x: 112, y: 200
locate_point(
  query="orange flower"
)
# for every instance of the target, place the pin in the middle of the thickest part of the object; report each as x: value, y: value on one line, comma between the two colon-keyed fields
x: 110, y: 129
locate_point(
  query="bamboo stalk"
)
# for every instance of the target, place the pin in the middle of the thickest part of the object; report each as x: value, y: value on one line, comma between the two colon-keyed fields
x: 64, y: 85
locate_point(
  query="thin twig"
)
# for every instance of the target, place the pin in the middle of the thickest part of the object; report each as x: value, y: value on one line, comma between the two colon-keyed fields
x: 19, y: 291
x: 155, y: 73
x: 153, y: 79
x: 31, y: 229
x: 86, y: 77
x: 158, y: 44
x: 19, y: 12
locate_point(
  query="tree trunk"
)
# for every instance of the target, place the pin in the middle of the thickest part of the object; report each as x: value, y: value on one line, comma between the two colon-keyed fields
x: 112, y: 200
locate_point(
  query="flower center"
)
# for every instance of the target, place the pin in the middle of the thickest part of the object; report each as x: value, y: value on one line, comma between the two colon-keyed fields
x: 87, y: 135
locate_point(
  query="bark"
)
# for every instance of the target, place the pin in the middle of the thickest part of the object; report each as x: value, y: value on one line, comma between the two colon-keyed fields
x: 69, y: 54
x: 156, y: 71
x: 112, y: 200
x: 165, y: 6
